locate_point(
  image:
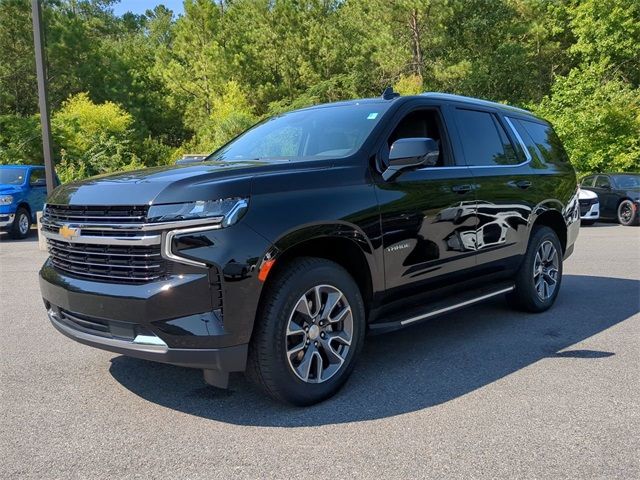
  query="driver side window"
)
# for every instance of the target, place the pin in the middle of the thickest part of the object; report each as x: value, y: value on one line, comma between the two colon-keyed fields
x: 602, y: 182
x: 419, y: 124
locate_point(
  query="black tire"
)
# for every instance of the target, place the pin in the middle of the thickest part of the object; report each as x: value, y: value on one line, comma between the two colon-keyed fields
x: 268, y: 363
x: 525, y: 296
x: 22, y: 219
x: 628, y: 213
x: 587, y: 222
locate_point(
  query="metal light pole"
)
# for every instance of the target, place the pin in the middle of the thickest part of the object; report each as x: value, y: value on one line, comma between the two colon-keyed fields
x: 38, y: 43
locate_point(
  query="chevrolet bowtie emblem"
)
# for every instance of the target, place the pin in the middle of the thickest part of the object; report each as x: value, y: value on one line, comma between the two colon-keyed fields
x: 68, y: 232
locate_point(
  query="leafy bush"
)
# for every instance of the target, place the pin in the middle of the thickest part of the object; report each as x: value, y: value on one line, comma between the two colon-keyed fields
x: 94, y: 138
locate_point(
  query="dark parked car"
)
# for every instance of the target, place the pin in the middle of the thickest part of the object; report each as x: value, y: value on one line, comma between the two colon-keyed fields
x: 286, y: 245
x: 619, y: 195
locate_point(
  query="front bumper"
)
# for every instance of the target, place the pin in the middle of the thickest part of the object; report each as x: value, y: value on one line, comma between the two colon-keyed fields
x: 593, y: 213
x: 6, y: 221
x: 151, y: 347
x: 169, y: 321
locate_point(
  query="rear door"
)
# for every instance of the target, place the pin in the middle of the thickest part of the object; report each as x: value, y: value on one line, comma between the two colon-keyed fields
x: 504, y: 183
x: 428, y: 214
x: 607, y: 197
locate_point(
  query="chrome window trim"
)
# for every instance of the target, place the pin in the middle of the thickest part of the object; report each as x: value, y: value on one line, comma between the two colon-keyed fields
x: 168, y: 239
x: 519, y: 138
x: 527, y: 154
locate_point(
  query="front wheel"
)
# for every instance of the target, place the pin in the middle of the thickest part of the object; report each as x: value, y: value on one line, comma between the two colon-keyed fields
x: 628, y: 213
x: 309, y: 331
x: 21, y: 224
x: 537, y: 282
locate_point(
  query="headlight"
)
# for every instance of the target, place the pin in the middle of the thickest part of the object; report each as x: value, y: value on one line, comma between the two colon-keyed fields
x: 229, y: 210
x: 6, y: 199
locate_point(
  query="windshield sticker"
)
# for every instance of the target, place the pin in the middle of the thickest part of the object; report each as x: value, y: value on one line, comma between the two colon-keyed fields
x: 372, y: 116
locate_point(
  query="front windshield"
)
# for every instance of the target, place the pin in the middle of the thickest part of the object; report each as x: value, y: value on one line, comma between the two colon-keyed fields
x: 12, y: 176
x: 627, y: 181
x: 326, y: 132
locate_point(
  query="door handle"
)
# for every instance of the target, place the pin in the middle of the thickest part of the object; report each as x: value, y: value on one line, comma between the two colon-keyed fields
x: 523, y: 184
x: 461, y: 188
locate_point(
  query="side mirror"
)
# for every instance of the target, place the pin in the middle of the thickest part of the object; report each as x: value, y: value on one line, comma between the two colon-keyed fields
x: 407, y: 153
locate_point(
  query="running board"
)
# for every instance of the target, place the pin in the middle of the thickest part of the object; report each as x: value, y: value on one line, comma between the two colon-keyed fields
x: 440, y: 308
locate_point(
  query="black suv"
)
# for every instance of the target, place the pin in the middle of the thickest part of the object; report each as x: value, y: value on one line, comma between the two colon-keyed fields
x: 284, y: 247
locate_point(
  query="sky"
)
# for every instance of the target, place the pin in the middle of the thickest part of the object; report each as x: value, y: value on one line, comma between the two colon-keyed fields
x: 141, y: 6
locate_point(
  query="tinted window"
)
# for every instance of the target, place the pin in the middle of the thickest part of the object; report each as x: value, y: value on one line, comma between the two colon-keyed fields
x: 483, y: 139
x: 587, y: 181
x: 528, y: 143
x: 602, y: 182
x: 546, y: 141
x: 12, y: 176
x: 37, y: 174
x: 316, y: 133
x: 627, y: 181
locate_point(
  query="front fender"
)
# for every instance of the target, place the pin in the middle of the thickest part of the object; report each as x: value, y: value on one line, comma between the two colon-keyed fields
x: 331, y: 231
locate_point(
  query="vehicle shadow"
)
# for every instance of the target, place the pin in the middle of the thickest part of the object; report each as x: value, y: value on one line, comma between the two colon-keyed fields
x: 32, y: 237
x: 411, y: 369
x: 603, y: 224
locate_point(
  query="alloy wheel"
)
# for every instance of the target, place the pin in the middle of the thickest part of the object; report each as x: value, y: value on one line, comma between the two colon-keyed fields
x: 545, y: 270
x: 319, y: 334
x: 23, y: 224
x: 625, y: 212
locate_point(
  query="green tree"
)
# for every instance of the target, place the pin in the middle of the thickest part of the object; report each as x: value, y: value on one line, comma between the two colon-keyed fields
x: 18, y: 93
x: 598, y: 120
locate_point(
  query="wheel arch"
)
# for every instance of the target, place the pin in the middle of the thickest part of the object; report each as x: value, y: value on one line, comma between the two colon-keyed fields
x: 25, y: 205
x: 553, y: 219
x: 341, y: 243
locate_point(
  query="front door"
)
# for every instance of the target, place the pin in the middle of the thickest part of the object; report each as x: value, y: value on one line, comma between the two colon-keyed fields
x: 37, y: 195
x: 427, y: 215
x: 606, y: 196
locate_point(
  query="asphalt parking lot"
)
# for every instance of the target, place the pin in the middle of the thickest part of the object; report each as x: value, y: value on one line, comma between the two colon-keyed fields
x: 485, y: 393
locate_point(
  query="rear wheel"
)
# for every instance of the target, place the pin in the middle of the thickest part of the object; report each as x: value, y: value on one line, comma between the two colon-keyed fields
x: 309, y: 332
x: 628, y: 213
x: 539, y: 277
x: 21, y: 224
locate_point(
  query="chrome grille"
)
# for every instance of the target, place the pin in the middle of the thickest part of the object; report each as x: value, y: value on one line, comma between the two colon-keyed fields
x: 585, y: 204
x: 128, y: 264
x: 97, y: 214
x: 111, y: 243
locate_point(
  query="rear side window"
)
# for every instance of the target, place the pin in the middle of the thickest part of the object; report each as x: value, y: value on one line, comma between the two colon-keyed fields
x: 37, y: 176
x: 602, y: 182
x: 546, y: 141
x: 483, y: 139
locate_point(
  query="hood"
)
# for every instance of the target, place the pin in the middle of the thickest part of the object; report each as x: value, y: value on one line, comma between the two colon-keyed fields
x: 170, y: 184
x: 9, y: 189
x: 586, y: 194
